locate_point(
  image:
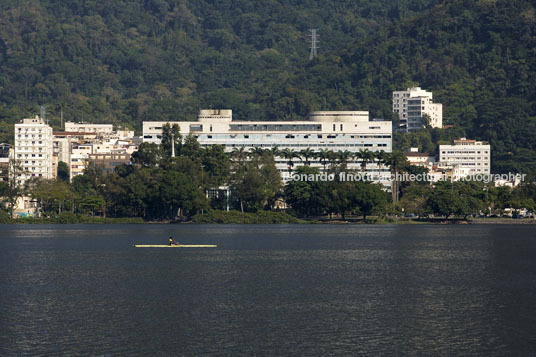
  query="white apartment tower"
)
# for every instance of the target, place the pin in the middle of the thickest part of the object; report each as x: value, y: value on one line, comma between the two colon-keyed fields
x: 33, y: 149
x: 471, y: 155
x: 412, y: 105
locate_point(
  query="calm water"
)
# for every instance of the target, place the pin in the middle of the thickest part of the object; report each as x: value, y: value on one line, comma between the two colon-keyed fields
x: 268, y: 290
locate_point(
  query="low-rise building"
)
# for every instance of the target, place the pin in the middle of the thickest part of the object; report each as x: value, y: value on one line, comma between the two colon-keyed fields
x: 100, y: 129
x: 417, y: 158
x: 85, y: 142
x: 467, y: 154
x: 109, y: 161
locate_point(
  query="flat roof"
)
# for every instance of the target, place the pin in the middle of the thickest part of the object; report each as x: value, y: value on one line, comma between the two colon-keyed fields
x: 416, y: 154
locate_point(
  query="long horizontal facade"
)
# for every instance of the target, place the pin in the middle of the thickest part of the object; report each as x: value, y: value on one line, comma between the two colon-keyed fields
x: 337, y: 131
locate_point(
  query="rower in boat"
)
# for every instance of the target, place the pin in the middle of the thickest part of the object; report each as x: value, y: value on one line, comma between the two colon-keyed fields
x: 172, y: 242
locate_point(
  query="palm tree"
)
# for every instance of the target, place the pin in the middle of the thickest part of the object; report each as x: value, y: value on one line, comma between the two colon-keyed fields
x: 257, y: 151
x: 288, y: 154
x: 323, y: 155
x: 275, y: 151
x: 307, y: 154
x: 365, y: 156
x: 239, y: 155
x: 343, y: 157
x: 395, y: 160
x: 332, y: 158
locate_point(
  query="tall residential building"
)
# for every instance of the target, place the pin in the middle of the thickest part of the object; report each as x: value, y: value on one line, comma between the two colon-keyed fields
x: 5, y: 150
x: 412, y: 105
x: 473, y: 156
x: 33, y: 149
x: 334, y: 130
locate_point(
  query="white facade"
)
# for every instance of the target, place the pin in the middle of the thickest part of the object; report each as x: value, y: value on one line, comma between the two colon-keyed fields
x: 334, y: 130
x: 62, y: 148
x: 81, y: 140
x: 412, y: 104
x: 33, y: 149
x: 474, y: 156
x: 102, y: 129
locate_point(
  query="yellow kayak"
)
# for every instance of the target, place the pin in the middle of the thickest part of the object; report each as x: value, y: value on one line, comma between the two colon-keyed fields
x: 174, y: 246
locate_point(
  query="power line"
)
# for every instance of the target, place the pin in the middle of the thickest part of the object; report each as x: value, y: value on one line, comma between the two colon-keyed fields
x: 313, y: 38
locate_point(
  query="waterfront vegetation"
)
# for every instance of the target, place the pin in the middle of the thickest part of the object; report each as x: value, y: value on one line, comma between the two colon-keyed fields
x: 260, y: 217
x: 192, y: 186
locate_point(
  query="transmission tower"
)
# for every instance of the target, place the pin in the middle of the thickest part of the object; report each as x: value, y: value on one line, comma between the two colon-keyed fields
x: 43, y: 112
x: 314, y: 43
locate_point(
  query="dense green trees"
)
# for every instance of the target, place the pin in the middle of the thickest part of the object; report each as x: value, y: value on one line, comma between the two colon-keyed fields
x: 158, y: 186
x: 130, y: 60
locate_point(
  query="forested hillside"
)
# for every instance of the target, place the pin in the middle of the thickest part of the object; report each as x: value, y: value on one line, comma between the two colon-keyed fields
x: 125, y: 61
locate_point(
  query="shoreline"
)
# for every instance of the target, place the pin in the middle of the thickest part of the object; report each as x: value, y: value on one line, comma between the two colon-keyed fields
x: 372, y: 221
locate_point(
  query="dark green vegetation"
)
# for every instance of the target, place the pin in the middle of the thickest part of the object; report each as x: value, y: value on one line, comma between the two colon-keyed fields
x: 125, y: 61
x: 69, y: 218
x: 260, y: 217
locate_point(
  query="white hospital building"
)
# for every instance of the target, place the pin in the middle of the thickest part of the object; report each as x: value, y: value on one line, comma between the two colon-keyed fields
x: 412, y: 104
x: 334, y: 130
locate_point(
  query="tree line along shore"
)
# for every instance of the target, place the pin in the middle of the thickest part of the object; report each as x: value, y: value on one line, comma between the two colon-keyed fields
x: 162, y: 188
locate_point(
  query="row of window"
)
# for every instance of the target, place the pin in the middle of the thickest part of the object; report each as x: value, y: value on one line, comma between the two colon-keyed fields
x: 289, y: 136
x: 275, y: 127
x: 465, y: 158
x: 28, y: 155
x: 299, y: 145
x: 27, y: 136
x: 30, y: 129
x: 462, y: 152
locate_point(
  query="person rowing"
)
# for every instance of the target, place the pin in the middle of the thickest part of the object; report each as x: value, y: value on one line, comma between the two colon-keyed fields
x: 172, y: 242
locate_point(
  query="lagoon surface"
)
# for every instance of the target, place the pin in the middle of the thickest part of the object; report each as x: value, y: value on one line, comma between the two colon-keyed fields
x: 268, y: 290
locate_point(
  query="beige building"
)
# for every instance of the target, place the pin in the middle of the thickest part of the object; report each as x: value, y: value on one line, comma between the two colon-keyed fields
x: 414, y: 106
x: 101, y: 129
x: 471, y: 155
x: 109, y: 161
x: 417, y: 158
x: 84, y: 142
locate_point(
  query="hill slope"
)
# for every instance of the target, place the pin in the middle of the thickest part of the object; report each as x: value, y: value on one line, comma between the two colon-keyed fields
x: 125, y: 61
